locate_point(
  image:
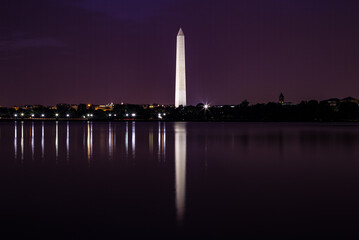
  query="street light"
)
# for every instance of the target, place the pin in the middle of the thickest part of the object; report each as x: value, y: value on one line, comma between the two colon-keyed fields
x: 32, y: 115
x: 56, y: 114
x: 133, y: 114
x: 42, y: 115
x: 67, y: 115
x: 15, y: 115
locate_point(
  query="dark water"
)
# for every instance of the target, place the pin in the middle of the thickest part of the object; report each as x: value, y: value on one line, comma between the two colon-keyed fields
x: 253, y: 180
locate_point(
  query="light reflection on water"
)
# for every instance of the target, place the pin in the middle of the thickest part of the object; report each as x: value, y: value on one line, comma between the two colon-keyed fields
x: 42, y: 140
x: 180, y: 163
x: 57, y: 140
x: 22, y: 141
x: 15, y: 141
x: 133, y: 138
x: 32, y: 141
x: 238, y: 161
x: 68, y: 141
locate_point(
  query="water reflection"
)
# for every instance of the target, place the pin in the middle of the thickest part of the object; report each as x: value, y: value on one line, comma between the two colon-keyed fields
x: 15, y: 141
x: 162, y: 141
x: 22, y: 140
x: 42, y: 141
x: 32, y: 140
x: 126, y: 139
x: 150, y: 140
x: 68, y: 141
x: 133, y: 138
x: 180, y: 165
x: 110, y: 141
x: 89, y: 142
x: 57, y: 140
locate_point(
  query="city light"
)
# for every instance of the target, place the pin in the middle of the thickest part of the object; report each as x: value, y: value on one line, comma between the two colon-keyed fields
x: 67, y: 115
x: 22, y: 114
x: 114, y: 115
x: 88, y: 114
x: 15, y: 115
x: 32, y: 115
x: 164, y: 114
x: 42, y: 115
x: 133, y: 114
x: 56, y: 114
x: 91, y: 115
x: 109, y: 114
x: 206, y: 106
x: 126, y: 114
x: 159, y: 116
x: 83, y: 116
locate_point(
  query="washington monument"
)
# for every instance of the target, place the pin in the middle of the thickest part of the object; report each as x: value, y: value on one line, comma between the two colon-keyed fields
x: 180, y: 96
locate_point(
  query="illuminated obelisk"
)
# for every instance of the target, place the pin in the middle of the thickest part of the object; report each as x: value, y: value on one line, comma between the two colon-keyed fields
x: 180, y: 96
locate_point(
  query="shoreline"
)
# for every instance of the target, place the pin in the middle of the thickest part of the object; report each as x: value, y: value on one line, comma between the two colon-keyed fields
x: 157, y: 120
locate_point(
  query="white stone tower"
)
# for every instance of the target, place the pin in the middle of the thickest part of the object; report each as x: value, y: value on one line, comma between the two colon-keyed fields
x: 180, y: 96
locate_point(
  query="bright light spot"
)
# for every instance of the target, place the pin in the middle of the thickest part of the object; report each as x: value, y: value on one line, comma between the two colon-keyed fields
x: 110, y: 115
x: 56, y: 114
x: 164, y: 114
x: 84, y: 116
x: 67, y: 115
x: 126, y: 114
x: 115, y: 115
x: 15, y: 115
x: 88, y: 114
x: 206, y: 106
x: 91, y: 115
x: 42, y: 115
x: 159, y: 116
x: 32, y: 115
x: 133, y: 114
x: 22, y: 114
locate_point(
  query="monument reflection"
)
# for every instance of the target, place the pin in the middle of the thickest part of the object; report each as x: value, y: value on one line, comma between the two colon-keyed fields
x: 180, y: 165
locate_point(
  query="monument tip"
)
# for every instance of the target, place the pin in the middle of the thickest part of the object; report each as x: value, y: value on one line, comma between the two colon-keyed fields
x: 180, y: 32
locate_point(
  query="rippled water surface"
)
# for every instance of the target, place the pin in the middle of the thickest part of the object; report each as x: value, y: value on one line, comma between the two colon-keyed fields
x: 102, y: 179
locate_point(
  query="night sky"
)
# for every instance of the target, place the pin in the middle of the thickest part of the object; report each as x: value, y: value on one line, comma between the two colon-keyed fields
x: 100, y: 51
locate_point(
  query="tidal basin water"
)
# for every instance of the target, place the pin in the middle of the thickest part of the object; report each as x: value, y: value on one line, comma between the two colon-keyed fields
x: 109, y: 179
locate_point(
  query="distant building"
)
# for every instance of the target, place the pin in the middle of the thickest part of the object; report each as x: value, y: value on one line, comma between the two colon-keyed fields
x: 350, y: 99
x: 105, y: 107
x: 281, y: 98
x: 333, y: 102
x: 281, y: 101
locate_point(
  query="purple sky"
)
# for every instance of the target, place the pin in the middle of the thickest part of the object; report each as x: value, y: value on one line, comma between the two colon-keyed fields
x: 98, y: 51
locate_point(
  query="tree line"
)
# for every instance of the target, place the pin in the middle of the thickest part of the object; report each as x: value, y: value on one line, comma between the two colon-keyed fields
x: 308, y: 111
